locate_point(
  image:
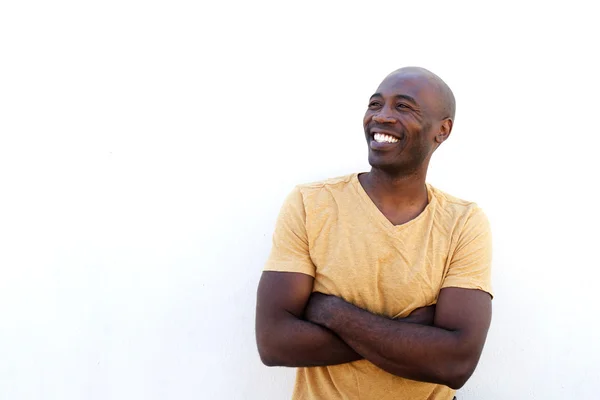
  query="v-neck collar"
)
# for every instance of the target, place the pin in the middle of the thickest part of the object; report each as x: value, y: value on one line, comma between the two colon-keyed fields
x: 374, y: 212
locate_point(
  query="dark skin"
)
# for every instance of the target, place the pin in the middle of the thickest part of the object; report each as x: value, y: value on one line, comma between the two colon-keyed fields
x: 286, y: 338
x: 406, y: 106
x: 297, y: 328
x: 446, y: 352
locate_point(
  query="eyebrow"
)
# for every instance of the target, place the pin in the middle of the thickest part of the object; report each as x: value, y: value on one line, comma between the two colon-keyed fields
x: 398, y: 96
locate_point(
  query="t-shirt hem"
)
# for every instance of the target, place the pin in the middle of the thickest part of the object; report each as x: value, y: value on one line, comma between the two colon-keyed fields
x: 280, y: 268
x: 463, y: 286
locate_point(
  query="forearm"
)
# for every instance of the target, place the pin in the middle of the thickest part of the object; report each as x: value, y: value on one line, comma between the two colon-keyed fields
x: 293, y: 342
x: 417, y: 352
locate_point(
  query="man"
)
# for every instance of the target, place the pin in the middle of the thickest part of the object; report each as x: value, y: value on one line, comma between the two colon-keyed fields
x: 378, y: 284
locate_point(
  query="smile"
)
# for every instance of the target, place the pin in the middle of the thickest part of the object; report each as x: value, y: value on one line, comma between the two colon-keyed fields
x: 383, y: 138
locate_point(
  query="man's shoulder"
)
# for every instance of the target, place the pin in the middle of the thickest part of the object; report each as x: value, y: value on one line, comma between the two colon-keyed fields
x: 330, y: 185
x: 320, y: 195
x: 452, y: 205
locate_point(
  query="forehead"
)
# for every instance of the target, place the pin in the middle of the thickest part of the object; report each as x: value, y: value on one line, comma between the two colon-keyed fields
x: 417, y: 86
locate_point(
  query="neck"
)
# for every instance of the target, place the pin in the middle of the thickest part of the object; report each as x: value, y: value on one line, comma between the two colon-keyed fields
x: 395, y: 190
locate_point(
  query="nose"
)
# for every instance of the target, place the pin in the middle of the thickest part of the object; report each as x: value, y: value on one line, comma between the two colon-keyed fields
x: 383, y: 118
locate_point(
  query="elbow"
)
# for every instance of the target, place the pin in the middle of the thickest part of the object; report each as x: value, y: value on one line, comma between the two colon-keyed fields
x: 268, y: 360
x: 459, y: 374
x: 456, y: 383
x: 268, y: 354
x: 272, y: 346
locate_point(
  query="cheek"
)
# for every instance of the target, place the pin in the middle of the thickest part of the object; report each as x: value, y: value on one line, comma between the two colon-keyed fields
x: 410, y: 121
x: 367, y: 118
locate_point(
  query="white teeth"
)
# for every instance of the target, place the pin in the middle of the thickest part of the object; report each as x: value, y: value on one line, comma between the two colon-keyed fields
x: 382, y: 137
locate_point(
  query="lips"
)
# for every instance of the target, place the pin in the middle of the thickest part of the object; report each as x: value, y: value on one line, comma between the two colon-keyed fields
x: 383, y: 138
x: 393, y: 134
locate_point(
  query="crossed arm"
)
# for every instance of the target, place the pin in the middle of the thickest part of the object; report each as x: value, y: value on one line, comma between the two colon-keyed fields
x: 441, y: 344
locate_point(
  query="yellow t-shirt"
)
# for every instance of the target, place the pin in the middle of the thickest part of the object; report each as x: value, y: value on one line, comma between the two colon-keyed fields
x: 332, y: 231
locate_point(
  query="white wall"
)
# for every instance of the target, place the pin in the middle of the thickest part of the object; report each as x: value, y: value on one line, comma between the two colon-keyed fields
x: 146, y: 148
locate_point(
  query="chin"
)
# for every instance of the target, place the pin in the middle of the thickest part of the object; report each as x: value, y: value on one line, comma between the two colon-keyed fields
x: 389, y: 167
x: 394, y: 169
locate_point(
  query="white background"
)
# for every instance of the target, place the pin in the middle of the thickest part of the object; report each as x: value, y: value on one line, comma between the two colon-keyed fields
x: 146, y: 147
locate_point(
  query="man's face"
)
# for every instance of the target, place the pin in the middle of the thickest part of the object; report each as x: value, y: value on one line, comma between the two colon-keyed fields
x: 400, y: 123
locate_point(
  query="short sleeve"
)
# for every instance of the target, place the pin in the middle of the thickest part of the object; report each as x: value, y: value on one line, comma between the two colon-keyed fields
x: 471, y: 262
x: 290, y: 240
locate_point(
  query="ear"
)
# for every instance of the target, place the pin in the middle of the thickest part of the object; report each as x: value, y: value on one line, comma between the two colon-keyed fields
x: 445, y: 130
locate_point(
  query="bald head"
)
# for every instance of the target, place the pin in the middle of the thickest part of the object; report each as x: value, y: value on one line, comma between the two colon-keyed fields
x: 446, y: 104
x: 408, y: 118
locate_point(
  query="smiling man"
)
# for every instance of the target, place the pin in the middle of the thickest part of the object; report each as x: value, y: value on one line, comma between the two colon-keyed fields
x: 378, y: 284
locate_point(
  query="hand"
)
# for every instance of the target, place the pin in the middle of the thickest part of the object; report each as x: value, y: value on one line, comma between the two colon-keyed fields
x: 320, y: 308
x: 421, y: 316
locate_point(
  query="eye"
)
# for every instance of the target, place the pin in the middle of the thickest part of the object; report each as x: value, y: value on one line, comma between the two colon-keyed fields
x: 374, y: 104
x: 403, y: 106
